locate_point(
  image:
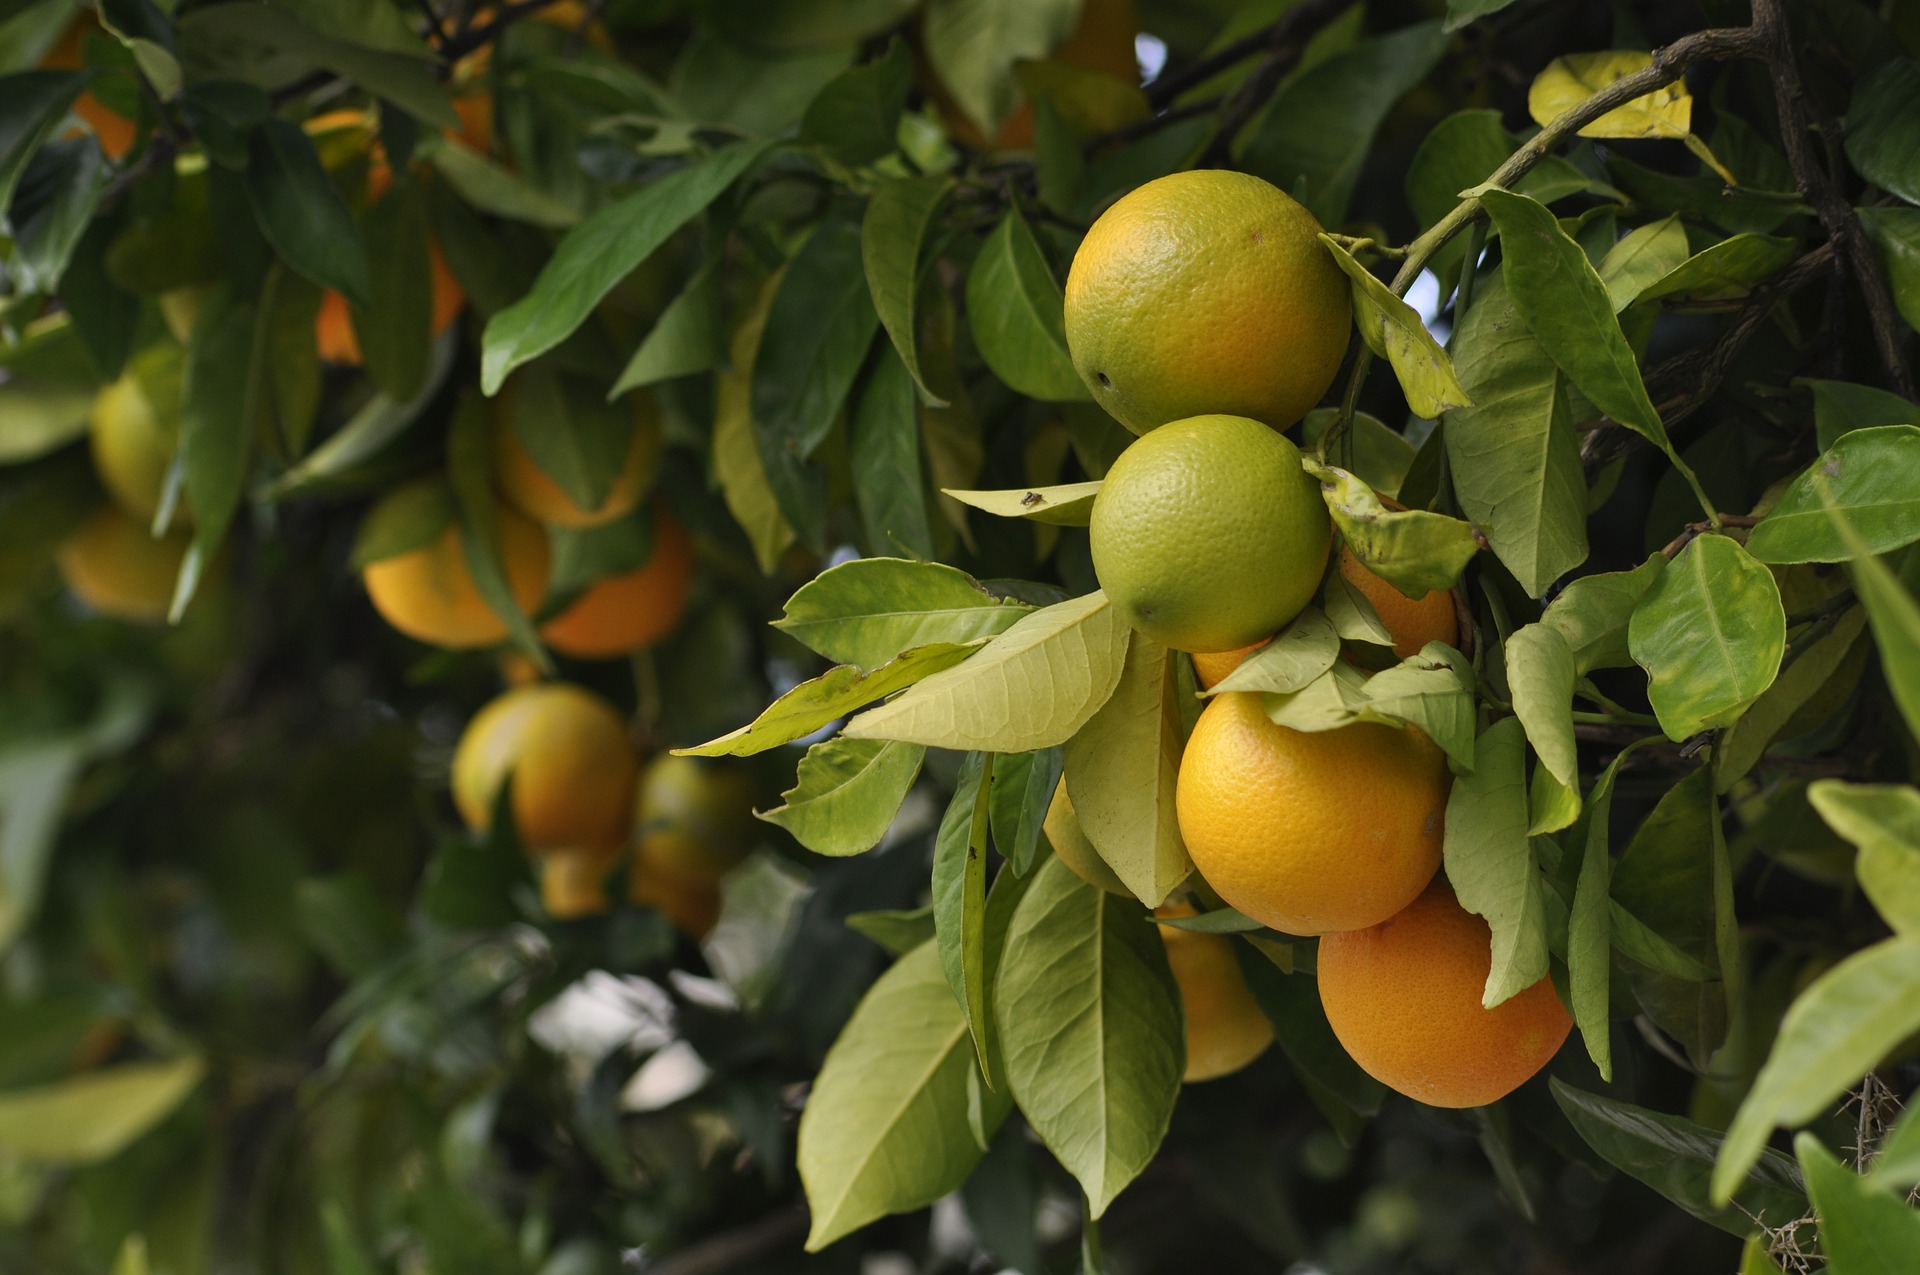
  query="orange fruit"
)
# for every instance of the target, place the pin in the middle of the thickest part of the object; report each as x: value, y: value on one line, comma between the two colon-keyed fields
x: 573, y: 881
x: 571, y: 761
x: 134, y: 431
x: 538, y: 496
x: 428, y: 593
x: 692, y: 906
x: 1404, y: 999
x: 626, y: 613
x: 1225, y: 1028
x: 1208, y: 535
x: 1413, y: 622
x: 1310, y: 832
x: 116, y: 132
x: 333, y: 332
x: 1212, y: 667
x: 1206, y: 291
x: 694, y: 819
x: 1063, y: 831
x: 1101, y: 41
x: 114, y: 564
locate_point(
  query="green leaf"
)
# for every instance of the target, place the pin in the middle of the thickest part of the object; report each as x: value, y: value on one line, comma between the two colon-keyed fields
x: 1413, y: 550
x: 885, y: 1127
x: 1540, y: 673
x: 493, y: 188
x: 470, y: 468
x: 1514, y: 457
x: 1726, y: 270
x: 1559, y: 294
x: 1462, y: 13
x: 847, y: 793
x: 1433, y: 690
x: 366, y: 433
x: 1031, y: 687
x: 1569, y: 81
x: 898, y: 218
x: 35, y: 781
x: 1898, y: 1164
x: 1895, y: 617
x: 1381, y: 456
x: 1121, y: 771
x: 1896, y: 233
x: 960, y: 903
x: 395, y: 328
x: 132, y: 1257
x: 687, y: 338
x: 1218, y: 921
x: 1297, y: 655
x: 47, y: 395
x: 1089, y: 1022
x: 889, y: 479
x: 857, y: 114
x: 223, y: 388
x: 52, y: 205
x: 1637, y: 941
x: 1883, y: 129
x: 1842, y: 1025
x: 1023, y: 788
x: 1070, y: 505
x: 973, y: 45
x: 1800, y: 680
x: 1868, y: 477
x: 571, y: 432
x: 1490, y: 863
x: 1710, y: 633
x: 1645, y: 255
x: 1590, y: 925
x: 302, y: 214
x: 1018, y: 315
x: 1840, y: 406
x: 1291, y: 1003
x: 601, y: 251
x: 32, y: 105
x: 1551, y: 805
x: 1315, y: 135
x: 1862, y: 1231
x: 898, y: 931
x: 736, y: 456
x: 1673, y: 1155
x: 92, y: 1116
x: 407, y: 518
x: 1392, y: 329
x: 1592, y: 613
x: 1884, y: 821
x: 835, y: 693
x: 868, y: 610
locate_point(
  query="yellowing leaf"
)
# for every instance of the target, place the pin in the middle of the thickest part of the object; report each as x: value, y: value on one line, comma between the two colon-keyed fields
x: 736, y: 458
x: 1571, y: 80
x: 1393, y: 330
x: 92, y: 1116
x: 1070, y: 505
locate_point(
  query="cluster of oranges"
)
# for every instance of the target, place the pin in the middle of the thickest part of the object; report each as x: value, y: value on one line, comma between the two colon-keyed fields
x: 584, y: 806
x: 1203, y: 313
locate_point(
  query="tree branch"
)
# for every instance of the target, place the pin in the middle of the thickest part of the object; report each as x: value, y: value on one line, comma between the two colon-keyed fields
x: 730, y: 1250
x: 1816, y: 184
x: 1285, y: 41
x: 1306, y: 16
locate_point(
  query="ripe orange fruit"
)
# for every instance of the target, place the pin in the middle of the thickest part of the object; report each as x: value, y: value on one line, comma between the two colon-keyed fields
x: 1404, y: 999
x: 1206, y: 291
x: 573, y: 880
x: 1208, y: 535
x: 333, y: 332
x: 692, y: 906
x: 134, y: 431
x: 1212, y: 667
x: 1413, y: 622
x: 1310, y: 832
x: 1102, y: 41
x: 1063, y: 831
x: 116, y: 132
x: 428, y: 593
x: 538, y: 496
x: 694, y: 819
x: 114, y: 564
x: 572, y: 764
x: 626, y: 613
x: 1225, y: 1028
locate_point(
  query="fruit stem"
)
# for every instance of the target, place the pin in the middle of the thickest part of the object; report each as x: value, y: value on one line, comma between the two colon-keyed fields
x: 1337, y: 432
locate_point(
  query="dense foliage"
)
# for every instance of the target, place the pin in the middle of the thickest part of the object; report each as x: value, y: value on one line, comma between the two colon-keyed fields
x: 1634, y: 288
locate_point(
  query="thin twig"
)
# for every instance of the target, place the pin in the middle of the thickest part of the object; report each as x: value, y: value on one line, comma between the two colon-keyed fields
x: 1816, y: 185
x: 1173, y: 83
x: 731, y: 1250
x: 490, y: 30
x: 1286, y: 40
x: 436, y: 28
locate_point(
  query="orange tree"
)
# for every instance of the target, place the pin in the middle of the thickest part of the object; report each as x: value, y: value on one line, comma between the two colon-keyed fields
x: 1469, y: 829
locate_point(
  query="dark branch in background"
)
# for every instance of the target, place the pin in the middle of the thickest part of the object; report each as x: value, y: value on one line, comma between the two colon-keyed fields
x: 490, y: 30
x: 1666, y: 753
x: 1816, y: 184
x: 1286, y: 40
x: 435, y: 27
x: 1307, y: 17
x: 731, y: 1250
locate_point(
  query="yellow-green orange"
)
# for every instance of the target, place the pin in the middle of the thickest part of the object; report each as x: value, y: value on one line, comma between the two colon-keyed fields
x: 114, y: 564
x: 1225, y: 1028
x: 1064, y: 834
x: 537, y: 495
x: 1310, y: 832
x: 429, y: 594
x: 1208, y: 535
x: 1404, y: 997
x: 573, y: 880
x: 694, y: 818
x: 134, y: 431
x: 1413, y: 622
x: 571, y: 761
x: 1206, y: 291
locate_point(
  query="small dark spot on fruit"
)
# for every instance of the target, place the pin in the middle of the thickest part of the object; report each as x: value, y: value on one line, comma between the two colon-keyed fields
x: 1106, y: 382
x: 1259, y: 237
